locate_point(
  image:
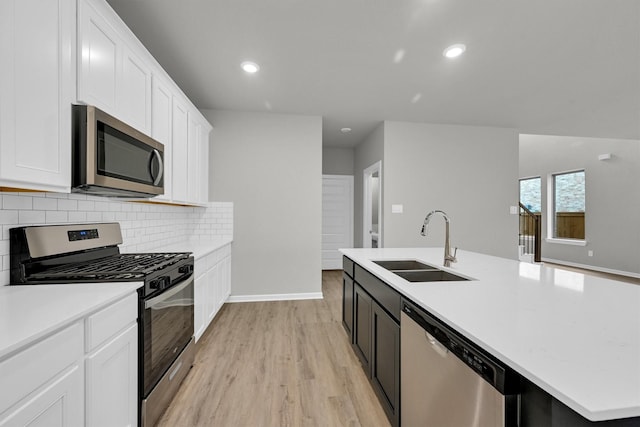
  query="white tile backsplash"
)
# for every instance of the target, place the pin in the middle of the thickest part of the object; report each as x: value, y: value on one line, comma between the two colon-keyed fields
x: 145, y: 226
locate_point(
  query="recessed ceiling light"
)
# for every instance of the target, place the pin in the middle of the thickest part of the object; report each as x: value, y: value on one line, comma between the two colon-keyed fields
x: 250, y: 67
x: 345, y: 130
x: 454, y: 50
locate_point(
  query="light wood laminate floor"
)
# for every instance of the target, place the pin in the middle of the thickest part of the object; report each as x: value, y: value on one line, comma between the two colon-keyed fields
x: 284, y: 363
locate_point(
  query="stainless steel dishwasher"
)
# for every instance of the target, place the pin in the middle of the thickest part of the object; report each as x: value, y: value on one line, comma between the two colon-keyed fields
x: 446, y: 381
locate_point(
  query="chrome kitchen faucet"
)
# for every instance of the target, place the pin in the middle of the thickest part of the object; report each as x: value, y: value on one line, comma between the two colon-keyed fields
x: 448, y: 257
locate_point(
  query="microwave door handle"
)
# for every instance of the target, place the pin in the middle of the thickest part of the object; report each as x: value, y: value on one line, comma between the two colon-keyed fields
x: 157, y: 155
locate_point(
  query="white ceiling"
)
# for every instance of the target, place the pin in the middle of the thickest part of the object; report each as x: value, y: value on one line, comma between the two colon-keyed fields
x: 563, y: 67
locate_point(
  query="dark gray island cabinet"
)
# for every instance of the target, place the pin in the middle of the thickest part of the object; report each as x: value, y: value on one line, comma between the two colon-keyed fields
x: 371, y: 317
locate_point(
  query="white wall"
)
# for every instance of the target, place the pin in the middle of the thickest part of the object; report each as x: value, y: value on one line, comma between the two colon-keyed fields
x: 469, y: 172
x: 145, y: 226
x: 368, y: 152
x: 337, y: 161
x: 270, y: 166
x: 612, y: 196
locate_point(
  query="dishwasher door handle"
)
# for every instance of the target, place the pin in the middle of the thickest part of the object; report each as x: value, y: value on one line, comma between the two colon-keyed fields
x: 437, y: 345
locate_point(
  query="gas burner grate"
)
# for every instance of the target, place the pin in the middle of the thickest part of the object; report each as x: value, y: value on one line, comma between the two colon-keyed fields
x: 125, y: 267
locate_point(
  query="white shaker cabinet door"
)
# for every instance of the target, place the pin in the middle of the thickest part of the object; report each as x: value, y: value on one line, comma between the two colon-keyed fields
x: 200, y: 298
x: 226, y: 279
x: 203, y: 165
x: 161, y: 98
x: 180, y: 150
x: 134, y: 91
x: 42, y: 385
x: 112, y: 382
x: 99, y: 61
x: 193, y: 153
x: 37, y: 83
x: 57, y: 405
x: 212, y: 284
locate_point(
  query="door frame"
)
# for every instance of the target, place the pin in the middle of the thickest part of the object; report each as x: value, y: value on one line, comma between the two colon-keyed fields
x: 366, y: 206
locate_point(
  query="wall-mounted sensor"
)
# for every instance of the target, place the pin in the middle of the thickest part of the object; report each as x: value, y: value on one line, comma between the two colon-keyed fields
x: 606, y: 156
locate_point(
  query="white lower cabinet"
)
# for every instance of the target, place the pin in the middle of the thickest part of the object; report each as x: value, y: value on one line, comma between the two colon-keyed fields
x: 200, y: 296
x: 57, y: 405
x: 112, y: 382
x: 83, y: 375
x: 112, y: 365
x: 43, y: 384
x: 212, y: 287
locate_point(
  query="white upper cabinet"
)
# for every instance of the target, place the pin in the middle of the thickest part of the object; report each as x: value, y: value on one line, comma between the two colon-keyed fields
x: 59, y: 52
x: 161, y: 129
x: 203, y: 164
x: 99, y: 58
x: 180, y: 150
x: 134, y: 94
x: 193, y: 150
x: 111, y: 74
x: 37, y: 87
x: 198, y: 158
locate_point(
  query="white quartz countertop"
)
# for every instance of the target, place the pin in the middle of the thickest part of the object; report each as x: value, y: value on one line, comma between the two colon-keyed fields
x: 199, y: 248
x: 28, y: 313
x: 575, y: 336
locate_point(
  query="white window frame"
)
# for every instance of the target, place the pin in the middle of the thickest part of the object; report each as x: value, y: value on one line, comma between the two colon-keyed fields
x: 551, y: 211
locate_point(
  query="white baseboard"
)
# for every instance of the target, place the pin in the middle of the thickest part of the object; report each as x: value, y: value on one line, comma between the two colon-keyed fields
x: 274, y: 297
x: 592, y: 267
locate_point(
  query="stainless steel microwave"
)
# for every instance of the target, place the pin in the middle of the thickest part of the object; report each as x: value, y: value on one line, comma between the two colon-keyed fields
x: 110, y: 158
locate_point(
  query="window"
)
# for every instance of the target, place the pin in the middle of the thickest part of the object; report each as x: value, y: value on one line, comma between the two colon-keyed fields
x: 530, y: 195
x: 569, y: 205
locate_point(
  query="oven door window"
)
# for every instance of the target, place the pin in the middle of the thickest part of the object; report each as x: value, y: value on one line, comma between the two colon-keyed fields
x: 167, y: 328
x: 121, y: 156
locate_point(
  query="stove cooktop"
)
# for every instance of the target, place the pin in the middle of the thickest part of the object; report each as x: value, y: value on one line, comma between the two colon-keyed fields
x: 120, y: 267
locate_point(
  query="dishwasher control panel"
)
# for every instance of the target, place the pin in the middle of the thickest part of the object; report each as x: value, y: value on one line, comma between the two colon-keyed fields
x: 473, y: 360
x: 492, y: 370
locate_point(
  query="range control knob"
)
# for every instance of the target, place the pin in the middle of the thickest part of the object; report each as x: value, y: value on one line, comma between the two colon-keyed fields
x: 186, y: 269
x: 155, y: 284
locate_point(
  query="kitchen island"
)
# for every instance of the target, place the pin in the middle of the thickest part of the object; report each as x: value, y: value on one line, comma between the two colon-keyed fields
x: 575, y: 336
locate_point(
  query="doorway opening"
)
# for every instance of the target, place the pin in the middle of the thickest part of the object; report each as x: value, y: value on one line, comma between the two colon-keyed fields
x: 372, y: 206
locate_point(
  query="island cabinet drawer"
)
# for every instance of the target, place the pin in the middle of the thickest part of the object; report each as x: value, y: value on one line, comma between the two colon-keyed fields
x: 347, y: 266
x: 388, y: 298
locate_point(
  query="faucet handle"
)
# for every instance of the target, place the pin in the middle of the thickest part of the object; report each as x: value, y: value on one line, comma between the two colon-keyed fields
x: 455, y: 252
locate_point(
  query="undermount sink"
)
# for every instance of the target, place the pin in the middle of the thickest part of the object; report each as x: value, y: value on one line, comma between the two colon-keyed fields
x: 416, y: 271
x: 429, y: 276
x: 404, y: 264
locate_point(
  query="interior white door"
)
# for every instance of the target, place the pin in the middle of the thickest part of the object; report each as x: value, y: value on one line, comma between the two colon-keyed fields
x: 337, y: 218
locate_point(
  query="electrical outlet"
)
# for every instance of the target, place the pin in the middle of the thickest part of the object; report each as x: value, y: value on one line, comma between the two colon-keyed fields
x: 590, y: 253
x: 513, y: 210
x: 397, y: 208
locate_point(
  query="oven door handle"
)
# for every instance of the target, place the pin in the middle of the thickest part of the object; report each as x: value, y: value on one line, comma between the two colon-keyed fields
x: 169, y: 293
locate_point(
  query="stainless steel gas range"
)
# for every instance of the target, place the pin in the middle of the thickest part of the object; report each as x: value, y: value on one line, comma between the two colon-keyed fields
x: 81, y: 253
